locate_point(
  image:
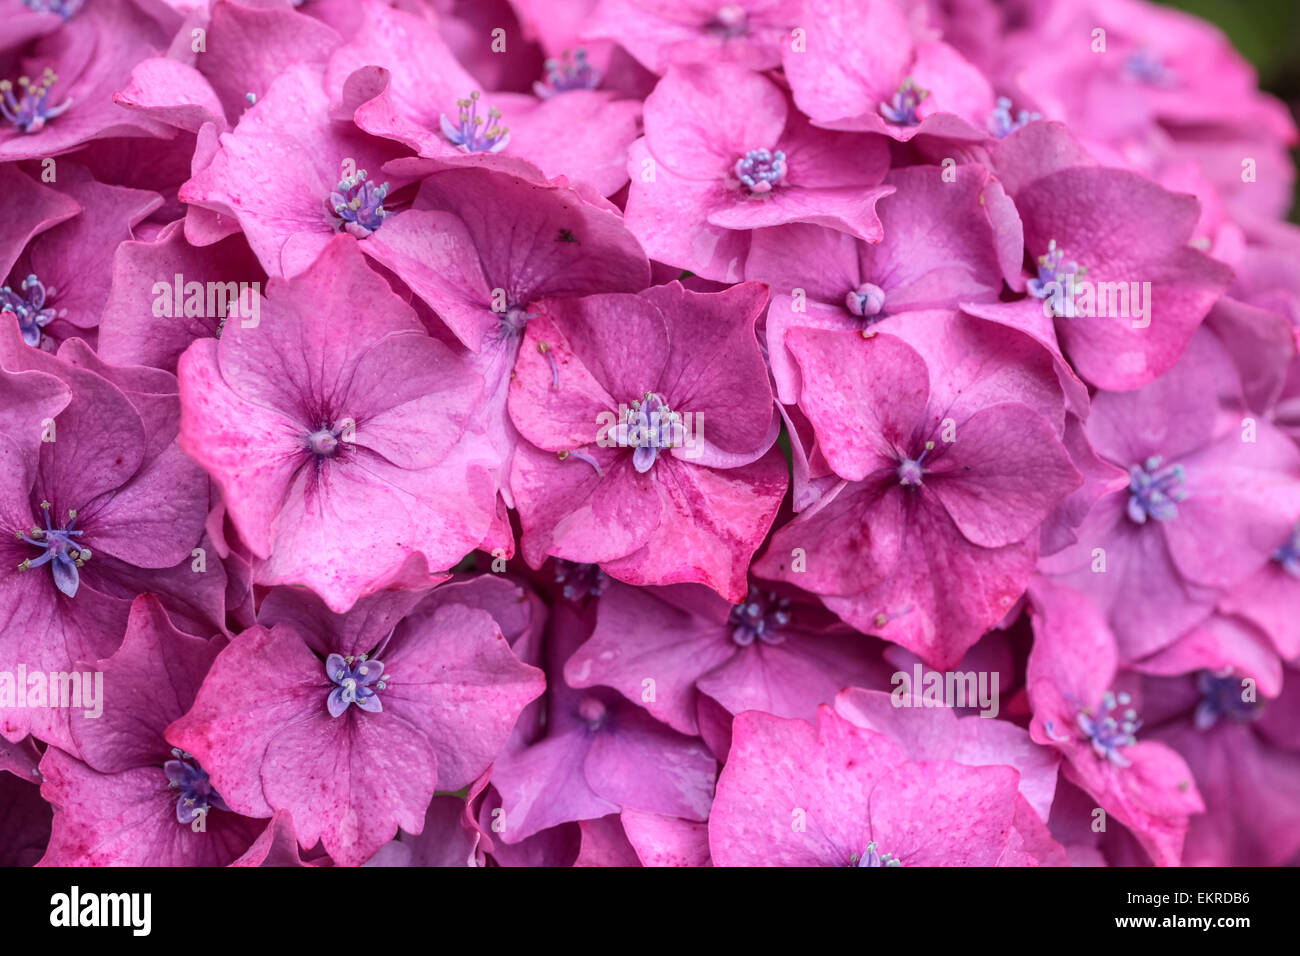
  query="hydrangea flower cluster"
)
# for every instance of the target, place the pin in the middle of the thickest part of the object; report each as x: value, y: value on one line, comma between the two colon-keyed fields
x: 645, y: 432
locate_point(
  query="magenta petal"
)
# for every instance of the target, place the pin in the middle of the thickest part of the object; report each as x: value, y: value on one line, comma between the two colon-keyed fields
x: 864, y: 397
x: 31, y: 209
x: 996, y: 499
x: 129, y: 819
x: 666, y: 841
x: 792, y: 794
x: 642, y: 764
x: 457, y: 680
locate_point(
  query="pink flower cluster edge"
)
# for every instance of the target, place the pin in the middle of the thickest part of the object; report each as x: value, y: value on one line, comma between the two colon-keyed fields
x: 645, y: 432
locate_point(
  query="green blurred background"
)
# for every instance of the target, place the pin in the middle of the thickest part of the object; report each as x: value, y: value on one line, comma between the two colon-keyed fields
x: 1267, y: 32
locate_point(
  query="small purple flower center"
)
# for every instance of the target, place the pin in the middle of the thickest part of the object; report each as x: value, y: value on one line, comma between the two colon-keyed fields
x: 570, y: 72
x: 27, y: 303
x: 324, y: 442
x: 731, y: 20
x: 593, y: 712
x: 580, y: 580
x: 1154, y: 492
x: 761, y: 169
x: 30, y: 109
x: 358, y: 681
x: 513, y: 320
x: 911, y: 470
x: 649, y: 426
x: 197, y: 796
x: 902, y: 108
x: 58, y: 550
x: 472, y: 133
x: 761, y: 617
x: 1146, y: 66
x: 1108, y: 735
x: 1053, y: 267
x: 359, y: 204
x: 1002, y: 123
x: 865, y: 301
x: 873, y: 857
x: 64, y: 8
x: 1289, y: 554
x: 1222, y: 695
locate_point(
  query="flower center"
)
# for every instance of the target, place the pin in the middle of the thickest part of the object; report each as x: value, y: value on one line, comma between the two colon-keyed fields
x: 580, y: 580
x: 865, y: 301
x: 762, y: 616
x: 1223, y: 695
x: 1002, y: 123
x: 472, y: 133
x: 593, y: 712
x: 514, y: 320
x: 1055, y: 280
x: 731, y: 20
x: 28, y: 304
x: 910, y: 470
x: 761, y: 169
x: 359, y: 204
x: 1148, y: 67
x: 30, y: 110
x: 64, y: 8
x: 570, y: 72
x: 902, y: 108
x: 58, y: 550
x: 358, y: 681
x: 197, y: 796
x: 324, y: 442
x: 873, y: 857
x: 1289, y: 554
x: 1109, y: 735
x: 650, y: 425
x: 1154, y: 492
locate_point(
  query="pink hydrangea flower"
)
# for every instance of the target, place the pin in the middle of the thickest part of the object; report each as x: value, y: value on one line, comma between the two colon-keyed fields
x: 1118, y: 282
x: 770, y: 652
x: 134, y: 798
x: 1212, y: 496
x: 482, y: 276
x: 108, y: 509
x: 399, y: 79
x: 724, y: 153
x: 58, y: 95
x: 245, y: 49
x: 58, y: 286
x: 861, y: 67
x: 291, y: 178
x: 1241, y: 748
x: 942, y: 247
x: 1157, y: 66
x: 333, y: 412
x: 950, y: 459
x: 1143, y: 784
x: 378, y: 709
x: 612, y: 471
